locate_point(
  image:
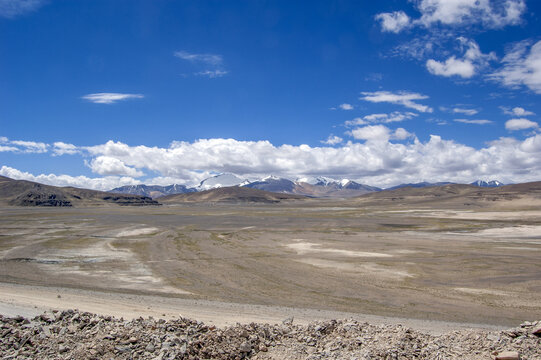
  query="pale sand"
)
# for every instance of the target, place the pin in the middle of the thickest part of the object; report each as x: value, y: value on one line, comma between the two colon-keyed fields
x: 368, y: 268
x: 33, y: 300
x: 137, y: 232
x: 303, y: 248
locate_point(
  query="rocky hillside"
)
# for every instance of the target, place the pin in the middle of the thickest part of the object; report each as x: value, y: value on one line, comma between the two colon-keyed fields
x: 27, y: 193
x: 526, y: 194
x: 75, y: 335
x: 232, y: 194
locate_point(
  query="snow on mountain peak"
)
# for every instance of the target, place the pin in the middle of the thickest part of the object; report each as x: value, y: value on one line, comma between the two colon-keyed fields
x: 221, y: 180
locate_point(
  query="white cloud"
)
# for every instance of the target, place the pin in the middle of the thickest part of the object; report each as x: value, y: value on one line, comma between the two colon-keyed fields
x: 346, y: 106
x: 104, y: 183
x: 372, y: 133
x: 393, y: 22
x: 13, y: 8
x: 476, y: 122
x: 465, y: 67
x: 521, y: 67
x: 110, y: 98
x: 22, y: 146
x: 356, y: 121
x: 376, y: 161
x: 395, y: 116
x: 453, y: 13
x: 516, y: 111
x: 61, y: 148
x: 520, y: 124
x: 492, y: 14
x: 210, y: 59
x: 379, y: 133
x: 404, y: 98
x: 212, y: 73
x: 106, y: 165
x: 211, y: 64
x: 332, y: 140
x: 451, y: 67
x: 4, y: 148
x: 469, y: 112
x: 402, y: 134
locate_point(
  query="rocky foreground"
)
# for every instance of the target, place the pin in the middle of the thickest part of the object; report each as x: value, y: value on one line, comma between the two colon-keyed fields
x: 77, y: 335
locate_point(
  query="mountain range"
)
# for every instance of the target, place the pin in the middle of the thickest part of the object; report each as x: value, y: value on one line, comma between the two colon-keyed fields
x: 320, y: 187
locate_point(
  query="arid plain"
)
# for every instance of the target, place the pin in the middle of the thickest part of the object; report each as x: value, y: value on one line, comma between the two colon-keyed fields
x: 445, y: 261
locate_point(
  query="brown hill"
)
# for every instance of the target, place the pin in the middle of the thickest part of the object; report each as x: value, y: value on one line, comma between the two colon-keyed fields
x: 458, y: 195
x: 330, y: 191
x: 28, y: 193
x: 232, y: 194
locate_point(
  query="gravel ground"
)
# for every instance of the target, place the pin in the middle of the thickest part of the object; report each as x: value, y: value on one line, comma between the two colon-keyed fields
x: 80, y: 335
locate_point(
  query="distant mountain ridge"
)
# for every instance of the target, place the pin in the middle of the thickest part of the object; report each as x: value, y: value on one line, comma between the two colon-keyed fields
x: 153, y: 191
x: 320, y: 186
x: 419, y: 185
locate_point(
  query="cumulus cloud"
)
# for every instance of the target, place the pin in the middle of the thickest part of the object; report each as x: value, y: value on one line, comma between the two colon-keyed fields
x: 492, y: 14
x: 521, y: 67
x: 403, y: 98
x: 377, y: 160
x: 346, y: 106
x: 451, y: 67
x: 110, y: 98
x: 476, y: 122
x: 402, y: 134
x: 106, y: 165
x: 395, y: 116
x: 486, y: 13
x: 14, y: 8
x: 393, y: 22
x: 520, y: 124
x: 516, y: 111
x: 332, y: 140
x: 379, y: 133
x: 466, y: 66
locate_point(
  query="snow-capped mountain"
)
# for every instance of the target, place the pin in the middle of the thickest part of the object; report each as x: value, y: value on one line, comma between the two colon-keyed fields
x: 337, y: 184
x: 483, y: 183
x: 221, y: 180
x: 314, y: 187
x: 153, y: 191
x: 273, y: 184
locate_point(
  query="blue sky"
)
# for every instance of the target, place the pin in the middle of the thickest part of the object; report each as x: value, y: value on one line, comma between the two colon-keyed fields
x: 100, y: 93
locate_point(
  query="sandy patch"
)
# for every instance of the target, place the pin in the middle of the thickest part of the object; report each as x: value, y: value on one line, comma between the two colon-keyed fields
x: 303, y: 248
x: 103, y: 260
x: 474, y: 291
x: 137, y: 232
x: 525, y: 248
x: 479, y: 215
x: 364, y: 268
x: 513, y: 231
